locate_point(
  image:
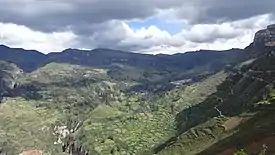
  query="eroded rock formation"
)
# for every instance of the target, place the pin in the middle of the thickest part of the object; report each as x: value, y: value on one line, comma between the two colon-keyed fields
x: 265, y: 37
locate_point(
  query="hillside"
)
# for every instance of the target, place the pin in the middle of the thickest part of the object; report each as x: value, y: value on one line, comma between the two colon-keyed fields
x: 238, y: 116
x: 113, y: 118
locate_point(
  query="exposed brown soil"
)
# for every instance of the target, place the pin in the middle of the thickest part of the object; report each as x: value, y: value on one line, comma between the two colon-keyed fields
x: 32, y: 152
x: 232, y: 123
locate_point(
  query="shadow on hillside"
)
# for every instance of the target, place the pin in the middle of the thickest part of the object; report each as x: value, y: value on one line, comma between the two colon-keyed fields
x: 166, y: 85
x: 222, y: 102
x: 28, y: 91
x: 31, y: 91
x: 258, y: 130
x: 151, y: 88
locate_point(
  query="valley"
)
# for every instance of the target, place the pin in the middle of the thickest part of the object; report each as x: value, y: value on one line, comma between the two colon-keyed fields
x: 109, y: 102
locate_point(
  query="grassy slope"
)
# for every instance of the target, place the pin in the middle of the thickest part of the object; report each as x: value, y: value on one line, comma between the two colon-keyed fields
x: 63, y: 87
x: 201, y: 128
x: 25, y: 127
x: 260, y: 126
x: 124, y: 122
x: 135, y: 132
x: 126, y: 133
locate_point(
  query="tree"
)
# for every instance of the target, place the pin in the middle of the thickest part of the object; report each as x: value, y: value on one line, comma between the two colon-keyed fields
x: 241, y: 152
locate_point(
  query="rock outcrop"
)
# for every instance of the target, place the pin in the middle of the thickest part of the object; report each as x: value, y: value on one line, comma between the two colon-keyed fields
x: 265, y: 37
x: 9, y: 73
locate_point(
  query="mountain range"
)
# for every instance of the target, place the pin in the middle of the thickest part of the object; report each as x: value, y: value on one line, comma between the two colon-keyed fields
x: 30, y: 60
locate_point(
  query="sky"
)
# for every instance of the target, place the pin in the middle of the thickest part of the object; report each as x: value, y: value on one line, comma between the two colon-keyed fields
x: 142, y: 26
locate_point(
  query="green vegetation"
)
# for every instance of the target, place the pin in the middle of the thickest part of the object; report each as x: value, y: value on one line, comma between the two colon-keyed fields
x: 127, y: 133
x: 242, y: 103
x: 114, y: 118
x: 25, y: 127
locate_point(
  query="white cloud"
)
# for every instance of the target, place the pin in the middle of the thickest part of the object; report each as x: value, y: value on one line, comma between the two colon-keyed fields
x: 147, y: 37
x: 223, y: 36
x: 153, y: 40
x: 24, y: 37
x: 202, y: 33
x: 208, y: 24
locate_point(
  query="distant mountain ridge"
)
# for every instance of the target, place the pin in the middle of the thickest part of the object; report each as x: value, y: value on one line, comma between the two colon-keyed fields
x: 30, y: 60
x: 192, y: 63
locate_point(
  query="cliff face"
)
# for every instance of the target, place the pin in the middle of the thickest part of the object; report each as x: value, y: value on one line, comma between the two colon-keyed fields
x: 265, y: 37
x: 9, y: 73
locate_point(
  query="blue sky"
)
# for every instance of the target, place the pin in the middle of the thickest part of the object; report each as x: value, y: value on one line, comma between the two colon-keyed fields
x: 171, y: 27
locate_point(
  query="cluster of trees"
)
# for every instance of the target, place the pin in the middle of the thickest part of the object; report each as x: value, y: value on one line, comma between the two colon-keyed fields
x: 243, y: 152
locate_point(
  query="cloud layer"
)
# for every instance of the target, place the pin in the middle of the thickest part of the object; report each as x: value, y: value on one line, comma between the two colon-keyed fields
x: 53, y: 25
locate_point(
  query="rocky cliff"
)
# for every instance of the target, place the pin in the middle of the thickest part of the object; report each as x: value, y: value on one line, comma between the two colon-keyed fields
x: 9, y: 73
x: 265, y: 37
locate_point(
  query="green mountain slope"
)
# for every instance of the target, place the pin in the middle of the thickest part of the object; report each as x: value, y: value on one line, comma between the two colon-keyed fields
x: 24, y: 127
x: 237, y: 115
x: 113, y: 117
